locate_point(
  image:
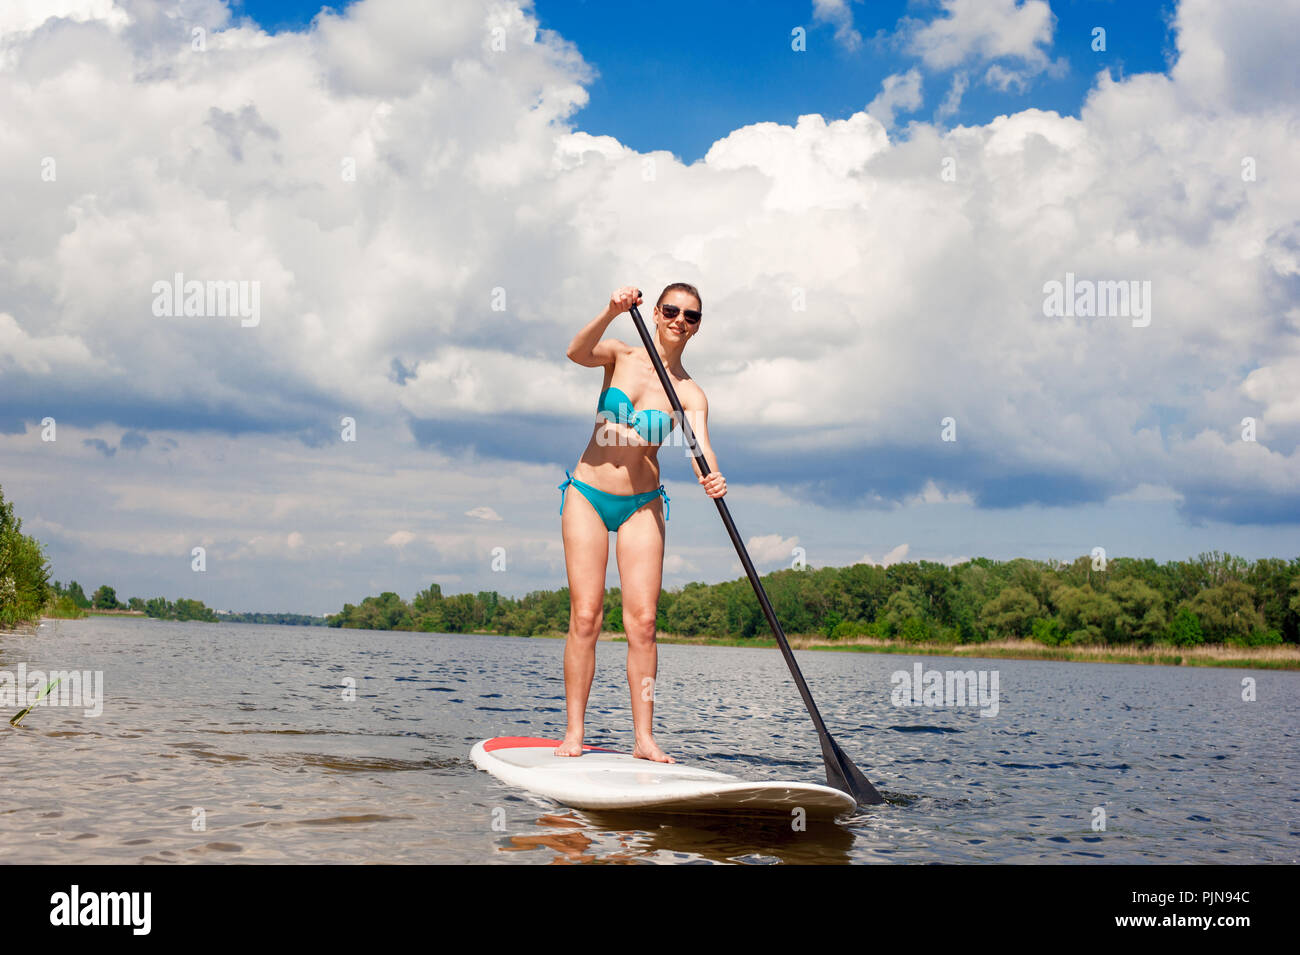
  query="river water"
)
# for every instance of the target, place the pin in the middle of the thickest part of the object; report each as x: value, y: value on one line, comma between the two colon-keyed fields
x: 223, y: 743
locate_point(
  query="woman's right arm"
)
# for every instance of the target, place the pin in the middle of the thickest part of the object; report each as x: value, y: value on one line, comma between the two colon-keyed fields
x: 588, y: 348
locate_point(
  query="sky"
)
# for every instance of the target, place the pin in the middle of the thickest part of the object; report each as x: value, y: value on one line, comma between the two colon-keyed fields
x: 897, y: 214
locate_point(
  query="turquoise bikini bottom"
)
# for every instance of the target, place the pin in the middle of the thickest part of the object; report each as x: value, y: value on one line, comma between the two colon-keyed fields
x: 613, y: 509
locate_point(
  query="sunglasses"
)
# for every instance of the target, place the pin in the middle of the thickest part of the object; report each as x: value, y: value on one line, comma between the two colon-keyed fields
x: 670, y: 312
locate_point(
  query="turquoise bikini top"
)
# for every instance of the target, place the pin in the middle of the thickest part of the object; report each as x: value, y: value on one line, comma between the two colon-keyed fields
x: 652, y: 424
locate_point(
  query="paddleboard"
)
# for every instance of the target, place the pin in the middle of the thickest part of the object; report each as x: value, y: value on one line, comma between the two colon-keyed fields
x: 605, y: 779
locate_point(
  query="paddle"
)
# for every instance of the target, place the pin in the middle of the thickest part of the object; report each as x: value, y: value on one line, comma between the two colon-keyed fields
x: 841, y: 774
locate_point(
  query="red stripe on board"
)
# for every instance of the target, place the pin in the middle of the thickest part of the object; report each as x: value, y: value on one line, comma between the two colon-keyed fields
x: 522, y: 742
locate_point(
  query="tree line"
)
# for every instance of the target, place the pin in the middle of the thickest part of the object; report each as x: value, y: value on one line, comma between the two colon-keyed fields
x: 105, y: 598
x: 1215, y: 598
x: 24, y: 571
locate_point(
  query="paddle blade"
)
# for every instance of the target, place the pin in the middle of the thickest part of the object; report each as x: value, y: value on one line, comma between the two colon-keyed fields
x: 841, y: 774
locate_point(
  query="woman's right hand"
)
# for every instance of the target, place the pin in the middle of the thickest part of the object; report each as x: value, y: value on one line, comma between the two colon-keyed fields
x: 623, y: 300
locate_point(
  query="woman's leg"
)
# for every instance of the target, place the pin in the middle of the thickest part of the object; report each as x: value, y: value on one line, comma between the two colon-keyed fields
x: 586, y: 552
x: 639, y: 549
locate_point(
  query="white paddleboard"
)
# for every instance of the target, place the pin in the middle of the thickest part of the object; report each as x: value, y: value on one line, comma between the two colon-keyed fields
x: 603, y: 779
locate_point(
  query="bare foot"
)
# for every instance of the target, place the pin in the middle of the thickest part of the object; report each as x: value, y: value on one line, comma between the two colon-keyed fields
x: 572, y: 745
x: 650, y: 750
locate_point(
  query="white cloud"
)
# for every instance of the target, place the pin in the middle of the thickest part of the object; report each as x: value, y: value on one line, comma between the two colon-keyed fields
x: 982, y: 30
x: 765, y: 548
x: 41, y: 355
x: 896, y: 556
x: 1003, y: 79
x: 900, y: 92
x: 952, y: 101
x: 923, y: 297
x: 815, y: 164
x: 933, y: 494
x: 1238, y: 56
x: 1147, y: 492
x: 837, y: 12
x: 679, y: 565
x: 17, y: 16
x: 1276, y: 386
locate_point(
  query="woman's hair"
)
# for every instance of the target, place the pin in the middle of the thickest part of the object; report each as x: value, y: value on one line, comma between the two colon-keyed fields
x: 681, y: 287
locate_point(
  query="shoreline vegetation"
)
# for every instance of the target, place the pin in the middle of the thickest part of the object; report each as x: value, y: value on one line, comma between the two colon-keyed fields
x: 76, y: 606
x: 27, y: 596
x: 1215, y: 610
x: 1282, y: 657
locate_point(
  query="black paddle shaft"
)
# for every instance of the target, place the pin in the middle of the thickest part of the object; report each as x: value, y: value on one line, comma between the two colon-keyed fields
x: 841, y: 774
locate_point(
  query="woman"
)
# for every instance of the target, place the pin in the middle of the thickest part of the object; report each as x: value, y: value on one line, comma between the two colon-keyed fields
x: 606, y: 492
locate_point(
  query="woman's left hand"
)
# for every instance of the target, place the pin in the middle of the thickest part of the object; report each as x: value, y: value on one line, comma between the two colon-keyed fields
x: 715, y: 485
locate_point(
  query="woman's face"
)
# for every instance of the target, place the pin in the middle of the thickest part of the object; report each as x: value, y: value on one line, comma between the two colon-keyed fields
x: 677, y: 329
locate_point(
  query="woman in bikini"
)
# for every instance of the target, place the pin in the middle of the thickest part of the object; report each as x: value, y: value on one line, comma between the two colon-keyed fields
x: 604, y: 494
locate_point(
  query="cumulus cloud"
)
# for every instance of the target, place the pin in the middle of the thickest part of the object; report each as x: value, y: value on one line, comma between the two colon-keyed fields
x: 895, y: 556
x: 984, y: 30
x: 900, y: 92
x: 18, y: 16
x: 765, y: 548
x: 952, y: 101
x: 399, y: 539
x: 837, y: 12
x: 1238, y: 57
x: 428, y: 229
x: 21, y: 351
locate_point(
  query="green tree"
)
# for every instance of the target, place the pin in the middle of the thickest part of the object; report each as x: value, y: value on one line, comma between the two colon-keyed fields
x: 78, y: 595
x: 1272, y: 580
x: 1048, y: 631
x: 742, y: 616
x: 1185, y: 629
x: 903, y: 605
x: 1030, y: 576
x: 975, y: 584
x: 865, y: 586
x: 1142, y: 609
x: 1227, y: 612
x: 186, y: 608
x: 159, y: 607
x: 1011, y: 614
x: 386, y: 612
x: 428, y: 611
x: 1087, y: 616
x: 692, y: 612
x: 612, y: 616
x: 459, y: 613
x: 105, y: 598
x: 24, y: 572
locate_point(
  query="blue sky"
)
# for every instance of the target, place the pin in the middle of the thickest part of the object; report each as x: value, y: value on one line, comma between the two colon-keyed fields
x: 681, y: 74
x: 874, y: 224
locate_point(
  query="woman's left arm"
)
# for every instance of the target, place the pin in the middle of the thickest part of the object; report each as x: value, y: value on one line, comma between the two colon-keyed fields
x: 715, y: 485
